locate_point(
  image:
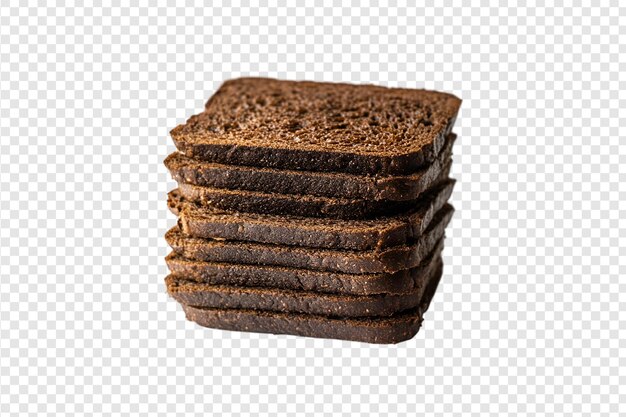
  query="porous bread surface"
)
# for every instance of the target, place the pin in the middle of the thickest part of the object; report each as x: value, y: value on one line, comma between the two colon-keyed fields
x: 275, y: 299
x: 323, y: 126
x: 327, y: 116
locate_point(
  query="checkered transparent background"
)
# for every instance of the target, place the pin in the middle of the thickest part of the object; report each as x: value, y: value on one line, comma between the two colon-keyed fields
x: 529, y: 317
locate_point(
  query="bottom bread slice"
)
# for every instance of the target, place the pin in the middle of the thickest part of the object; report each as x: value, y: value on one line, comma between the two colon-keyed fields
x: 386, y: 330
x: 275, y: 299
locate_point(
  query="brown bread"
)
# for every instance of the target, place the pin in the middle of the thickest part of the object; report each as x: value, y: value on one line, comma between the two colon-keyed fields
x: 297, y: 205
x: 207, y: 222
x: 337, y: 185
x: 394, y: 329
x: 216, y: 273
x: 388, y: 260
x: 312, y: 126
x: 289, y: 301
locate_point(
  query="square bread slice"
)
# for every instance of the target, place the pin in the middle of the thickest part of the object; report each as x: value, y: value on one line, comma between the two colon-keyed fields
x: 313, y: 126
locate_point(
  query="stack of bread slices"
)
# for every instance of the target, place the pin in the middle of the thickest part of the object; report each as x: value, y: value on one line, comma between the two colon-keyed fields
x: 312, y: 209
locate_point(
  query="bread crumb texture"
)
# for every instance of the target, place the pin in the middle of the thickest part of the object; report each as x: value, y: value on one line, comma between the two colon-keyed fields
x: 327, y: 117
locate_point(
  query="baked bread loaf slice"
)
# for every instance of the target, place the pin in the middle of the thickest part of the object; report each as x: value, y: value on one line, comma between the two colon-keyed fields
x: 289, y: 301
x: 216, y: 273
x: 312, y: 126
x: 297, y: 205
x: 387, y: 260
x: 211, y: 223
x: 338, y: 185
x: 393, y: 329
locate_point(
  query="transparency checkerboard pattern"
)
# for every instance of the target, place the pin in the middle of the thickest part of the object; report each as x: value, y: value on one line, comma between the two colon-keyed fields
x: 529, y: 318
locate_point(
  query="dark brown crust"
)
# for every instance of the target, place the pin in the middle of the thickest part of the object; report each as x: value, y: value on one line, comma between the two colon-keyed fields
x: 215, y: 273
x: 365, y: 130
x: 209, y: 223
x: 336, y: 185
x: 355, y: 262
x: 394, y: 329
x: 297, y: 205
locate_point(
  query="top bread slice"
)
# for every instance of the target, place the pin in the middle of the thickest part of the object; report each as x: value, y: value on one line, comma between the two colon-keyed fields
x: 312, y: 126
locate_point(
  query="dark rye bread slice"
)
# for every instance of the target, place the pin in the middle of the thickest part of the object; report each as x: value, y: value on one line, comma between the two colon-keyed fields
x: 312, y: 126
x: 216, y: 273
x: 388, y: 260
x: 289, y: 301
x: 297, y: 205
x: 211, y: 223
x: 338, y: 185
x: 394, y: 329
